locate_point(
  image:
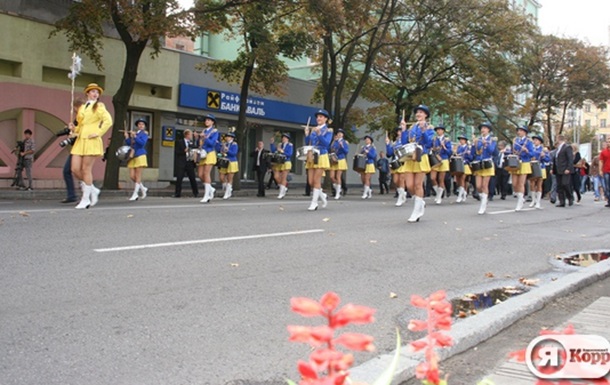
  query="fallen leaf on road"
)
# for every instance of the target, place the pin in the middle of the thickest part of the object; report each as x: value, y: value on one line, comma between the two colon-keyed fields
x: 130, y: 216
x: 281, y: 208
x: 234, y: 264
x: 325, y: 219
x: 474, y: 311
x: 507, y: 276
x: 529, y: 282
x: 24, y: 214
x: 489, y: 275
x: 393, y: 295
x: 462, y: 314
x: 554, y: 279
x: 458, y: 229
x: 498, y: 301
x: 373, y: 241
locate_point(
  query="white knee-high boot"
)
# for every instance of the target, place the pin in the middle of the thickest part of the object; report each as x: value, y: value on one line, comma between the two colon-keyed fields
x: 95, y: 193
x: 314, y: 199
x: 337, y: 191
x: 483, y: 206
x: 418, y: 209
x: 520, y: 201
x: 85, y: 200
x: 323, y: 198
x: 134, y: 196
x: 228, y: 191
x: 439, y: 196
x: 401, y: 196
x: 143, y: 190
x: 538, y: 196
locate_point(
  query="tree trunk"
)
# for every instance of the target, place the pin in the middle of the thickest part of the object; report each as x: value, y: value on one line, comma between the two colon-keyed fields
x: 242, y: 120
x: 120, y: 101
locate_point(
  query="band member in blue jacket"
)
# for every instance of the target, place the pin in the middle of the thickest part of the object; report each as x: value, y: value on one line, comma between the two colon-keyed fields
x: 442, y: 149
x: 229, y: 150
x: 523, y: 148
x: 371, y: 155
x: 463, y: 151
x: 320, y: 137
x: 482, y: 152
x: 417, y: 168
x: 207, y: 141
x: 398, y: 173
x: 281, y: 169
x: 542, y: 157
x: 137, y: 141
x: 340, y: 147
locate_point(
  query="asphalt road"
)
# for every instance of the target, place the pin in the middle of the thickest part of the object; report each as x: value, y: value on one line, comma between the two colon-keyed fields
x: 166, y: 291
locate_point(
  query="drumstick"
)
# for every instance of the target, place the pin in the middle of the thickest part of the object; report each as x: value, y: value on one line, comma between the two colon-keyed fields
x: 403, y: 115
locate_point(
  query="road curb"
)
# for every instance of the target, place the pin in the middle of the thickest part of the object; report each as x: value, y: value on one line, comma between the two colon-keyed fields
x: 471, y: 331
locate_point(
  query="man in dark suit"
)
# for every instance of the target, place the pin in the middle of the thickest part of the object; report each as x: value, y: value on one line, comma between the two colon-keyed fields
x: 260, y: 166
x: 182, y: 165
x: 502, y: 174
x: 563, y: 168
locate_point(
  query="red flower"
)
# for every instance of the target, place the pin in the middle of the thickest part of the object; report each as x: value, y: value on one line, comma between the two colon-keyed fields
x: 356, y: 341
x: 330, y: 301
x: 417, y: 326
x: 418, y: 301
x: 442, y: 340
x: 306, y: 307
x: 306, y: 370
x: 354, y: 314
x: 418, y: 345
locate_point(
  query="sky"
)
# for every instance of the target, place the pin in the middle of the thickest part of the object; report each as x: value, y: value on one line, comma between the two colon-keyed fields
x: 586, y: 20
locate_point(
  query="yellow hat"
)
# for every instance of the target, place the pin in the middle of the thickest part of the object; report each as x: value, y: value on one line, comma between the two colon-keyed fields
x: 94, y: 86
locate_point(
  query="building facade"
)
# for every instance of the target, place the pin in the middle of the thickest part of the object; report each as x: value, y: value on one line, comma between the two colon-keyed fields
x: 170, y: 93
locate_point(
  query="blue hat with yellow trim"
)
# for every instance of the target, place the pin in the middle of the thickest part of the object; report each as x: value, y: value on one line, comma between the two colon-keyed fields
x: 231, y: 134
x: 340, y: 130
x: 538, y: 136
x: 440, y: 127
x: 523, y: 128
x: 370, y: 137
x: 424, y: 108
x: 211, y: 117
x: 462, y: 136
x: 485, y: 124
x: 322, y: 112
x: 287, y: 135
x: 142, y: 121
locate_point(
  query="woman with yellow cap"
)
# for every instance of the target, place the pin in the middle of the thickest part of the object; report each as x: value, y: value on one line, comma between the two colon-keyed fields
x: 94, y: 121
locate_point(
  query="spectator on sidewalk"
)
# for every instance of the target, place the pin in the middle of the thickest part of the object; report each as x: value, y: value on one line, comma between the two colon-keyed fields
x: 28, y: 158
x: 604, y: 170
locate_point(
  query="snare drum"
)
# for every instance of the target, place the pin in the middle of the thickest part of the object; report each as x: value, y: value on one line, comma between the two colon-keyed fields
x: 456, y: 165
x: 359, y: 163
x: 303, y: 151
x: 475, y: 165
x: 333, y: 158
x: 486, y: 164
x: 222, y: 162
x: 512, y: 163
x: 395, y: 164
x: 434, y: 159
x: 409, y: 151
x: 278, y: 158
x: 536, y: 169
x: 193, y: 155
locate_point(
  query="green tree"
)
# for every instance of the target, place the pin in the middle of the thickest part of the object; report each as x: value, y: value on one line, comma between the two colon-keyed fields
x: 455, y: 56
x: 266, y: 34
x: 139, y: 24
x: 559, y: 74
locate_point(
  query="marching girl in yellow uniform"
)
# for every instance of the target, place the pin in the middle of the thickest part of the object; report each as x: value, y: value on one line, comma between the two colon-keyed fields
x: 281, y: 170
x: 137, y: 141
x: 442, y: 147
x: 463, y: 151
x: 93, y: 122
x: 523, y: 148
x: 417, y: 169
x: 542, y: 156
x: 483, y: 149
x: 340, y: 147
x: 229, y: 149
x: 208, y: 138
x: 398, y: 174
x: 371, y: 155
x: 320, y: 137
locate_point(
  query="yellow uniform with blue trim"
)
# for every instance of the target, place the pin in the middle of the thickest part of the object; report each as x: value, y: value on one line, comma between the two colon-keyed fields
x: 341, y: 148
x: 92, y: 118
x: 416, y: 134
x: 320, y: 141
x: 209, y: 139
x: 138, y: 143
x: 229, y: 151
x: 371, y: 155
x: 287, y: 149
x: 523, y: 148
x: 443, y: 147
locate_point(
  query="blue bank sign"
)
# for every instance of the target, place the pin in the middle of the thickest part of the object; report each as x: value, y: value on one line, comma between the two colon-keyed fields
x: 228, y: 102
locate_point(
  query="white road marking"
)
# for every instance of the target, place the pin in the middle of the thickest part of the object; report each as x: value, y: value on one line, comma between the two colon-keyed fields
x: 199, y: 241
x: 509, y: 211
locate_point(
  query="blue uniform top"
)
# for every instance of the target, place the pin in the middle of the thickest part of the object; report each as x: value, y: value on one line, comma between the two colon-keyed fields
x: 524, y: 148
x: 138, y: 143
x: 322, y: 140
x: 463, y: 150
x: 210, y: 139
x: 483, y: 148
x: 340, y: 147
x: 401, y: 139
x: 443, y: 145
x: 415, y: 134
x: 371, y: 153
x: 229, y: 150
x: 540, y: 155
x: 287, y: 149
x: 429, y: 135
